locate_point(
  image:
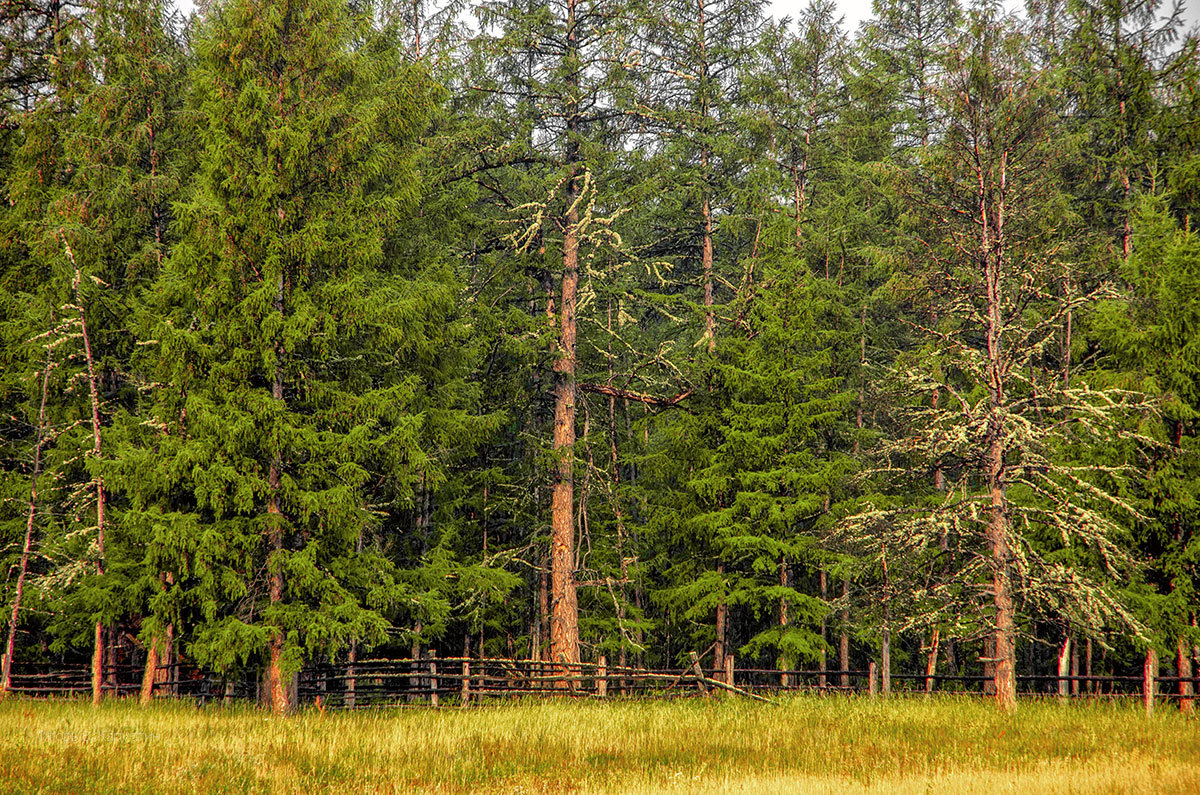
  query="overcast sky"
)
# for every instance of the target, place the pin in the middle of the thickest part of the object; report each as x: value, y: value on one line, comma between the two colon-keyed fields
x: 855, y: 11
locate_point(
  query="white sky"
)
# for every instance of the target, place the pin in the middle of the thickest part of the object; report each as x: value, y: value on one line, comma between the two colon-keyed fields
x: 855, y: 11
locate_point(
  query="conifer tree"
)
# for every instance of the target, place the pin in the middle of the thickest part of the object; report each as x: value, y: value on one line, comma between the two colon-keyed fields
x: 77, y: 225
x: 557, y: 71
x: 992, y: 198
x: 1119, y: 56
x: 909, y: 40
x: 1151, y: 341
x: 294, y: 346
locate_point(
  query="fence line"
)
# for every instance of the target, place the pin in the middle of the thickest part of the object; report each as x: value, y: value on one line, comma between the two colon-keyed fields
x: 463, y: 680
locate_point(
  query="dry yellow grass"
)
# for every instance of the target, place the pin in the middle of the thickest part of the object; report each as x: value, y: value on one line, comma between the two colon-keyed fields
x: 802, y: 745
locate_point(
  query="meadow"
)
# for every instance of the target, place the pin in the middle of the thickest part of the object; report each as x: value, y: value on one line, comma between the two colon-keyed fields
x: 800, y: 744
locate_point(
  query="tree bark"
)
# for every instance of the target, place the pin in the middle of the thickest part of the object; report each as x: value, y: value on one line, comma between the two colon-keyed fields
x: 1064, y: 662
x: 784, y: 662
x: 1149, y: 686
x: 158, y: 655
x: 23, y: 568
x: 885, y: 658
x: 150, y: 674
x: 279, y: 690
x: 721, y: 618
x: 98, y: 479
x: 991, y: 253
x: 1183, y: 669
x: 931, y: 661
x: 564, y: 609
x: 824, y: 586
x: 844, y: 639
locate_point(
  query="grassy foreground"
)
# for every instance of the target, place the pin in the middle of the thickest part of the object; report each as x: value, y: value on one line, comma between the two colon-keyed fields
x: 802, y: 745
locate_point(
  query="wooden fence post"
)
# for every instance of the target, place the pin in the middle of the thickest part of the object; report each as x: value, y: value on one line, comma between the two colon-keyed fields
x: 872, y: 679
x: 602, y: 678
x: 351, y: 681
x: 1064, y: 663
x: 1149, y: 673
x: 433, y: 682
x: 729, y: 669
x: 466, y: 682
x: 699, y: 673
x: 935, y: 639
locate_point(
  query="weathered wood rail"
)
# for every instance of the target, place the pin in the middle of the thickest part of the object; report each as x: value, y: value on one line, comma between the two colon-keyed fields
x: 445, y: 681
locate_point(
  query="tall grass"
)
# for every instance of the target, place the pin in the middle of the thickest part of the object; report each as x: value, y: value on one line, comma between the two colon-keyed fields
x: 802, y: 744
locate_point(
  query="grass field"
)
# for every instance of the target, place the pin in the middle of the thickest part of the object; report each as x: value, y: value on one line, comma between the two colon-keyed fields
x: 803, y: 744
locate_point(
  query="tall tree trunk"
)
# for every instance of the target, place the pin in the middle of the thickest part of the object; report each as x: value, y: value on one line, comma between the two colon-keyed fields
x: 23, y: 568
x: 1004, y: 631
x: 158, y: 656
x: 721, y: 618
x: 98, y: 478
x: 885, y: 654
x: 564, y: 611
x: 279, y: 690
x: 1183, y: 669
x: 149, y: 674
x: 1075, y: 688
x: 931, y: 660
x: 991, y: 253
x: 824, y: 585
x: 785, y: 663
x: 710, y: 320
x: 844, y: 638
x: 564, y: 608
x: 1064, y: 668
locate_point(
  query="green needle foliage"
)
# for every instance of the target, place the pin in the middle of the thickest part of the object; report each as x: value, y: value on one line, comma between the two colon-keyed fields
x: 302, y: 387
x: 578, y: 329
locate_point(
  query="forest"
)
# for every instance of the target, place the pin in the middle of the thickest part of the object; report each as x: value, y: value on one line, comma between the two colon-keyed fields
x: 635, y: 328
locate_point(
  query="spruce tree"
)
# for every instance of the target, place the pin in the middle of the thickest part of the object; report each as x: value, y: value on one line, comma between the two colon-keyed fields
x: 294, y: 346
x: 1150, y: 340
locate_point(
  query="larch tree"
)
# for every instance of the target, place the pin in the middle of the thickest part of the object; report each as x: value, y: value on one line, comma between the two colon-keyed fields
x: 557, y: 71
x: 988, y: 197
x: 1119, y: 55
x: 694, y: 217
x: 908, y: 40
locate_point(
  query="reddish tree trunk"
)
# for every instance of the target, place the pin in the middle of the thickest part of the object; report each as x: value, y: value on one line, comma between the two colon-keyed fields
x: 278, y: 689
x: 1183, y: 666
x: 98, y: 479
x: 10, y: 644
x: 564, y: 608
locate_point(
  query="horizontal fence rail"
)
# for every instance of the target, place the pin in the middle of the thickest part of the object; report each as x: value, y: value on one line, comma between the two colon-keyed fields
x: 443, y: 681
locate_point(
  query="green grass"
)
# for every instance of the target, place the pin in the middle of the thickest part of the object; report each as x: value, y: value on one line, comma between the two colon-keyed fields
x: 804, y: 744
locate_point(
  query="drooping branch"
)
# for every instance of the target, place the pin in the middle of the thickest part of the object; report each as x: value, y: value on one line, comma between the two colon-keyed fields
x: 639, y: 397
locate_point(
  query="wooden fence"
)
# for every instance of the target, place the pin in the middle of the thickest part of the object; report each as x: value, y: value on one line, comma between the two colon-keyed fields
x: 443, y: 681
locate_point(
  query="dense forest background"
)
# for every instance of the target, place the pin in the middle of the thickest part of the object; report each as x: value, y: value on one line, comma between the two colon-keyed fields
x: 622, y: 327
